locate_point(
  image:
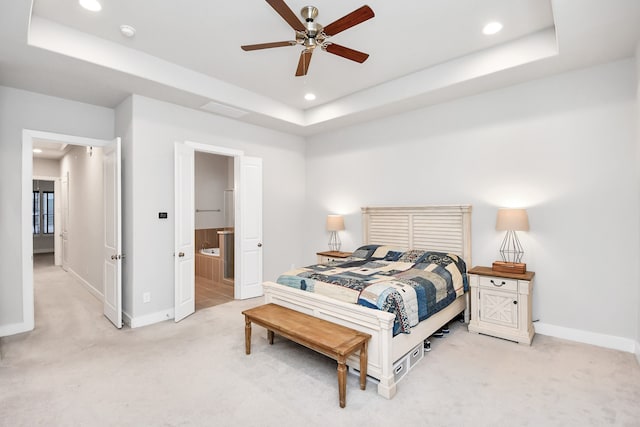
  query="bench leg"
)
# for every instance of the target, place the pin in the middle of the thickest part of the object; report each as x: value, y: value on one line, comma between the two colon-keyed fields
x: 363, y: 366
x: 247, y: 335
x: 270, y: 336
x: 342, y: 381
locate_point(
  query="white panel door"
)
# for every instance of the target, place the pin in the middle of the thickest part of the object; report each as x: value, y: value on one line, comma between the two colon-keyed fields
x: 185, y: 302
x: 112, y: 254
x: 57, y: 222
x: 64, y: 232
x: 248, y: 282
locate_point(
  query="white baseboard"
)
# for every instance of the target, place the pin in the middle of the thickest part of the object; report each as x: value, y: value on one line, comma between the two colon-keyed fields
x: 15, y: 328
x: 147, y: 319
x: 95, y: 292
x: 587, y: 337
x: 126, y: 318
x: 638, y: 352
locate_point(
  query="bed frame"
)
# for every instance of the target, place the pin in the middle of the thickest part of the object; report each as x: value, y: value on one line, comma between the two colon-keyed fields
x: 437, y: 228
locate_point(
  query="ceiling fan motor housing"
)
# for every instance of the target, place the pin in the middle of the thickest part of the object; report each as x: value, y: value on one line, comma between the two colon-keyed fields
x: 309, y: 13
x: 314, y: 35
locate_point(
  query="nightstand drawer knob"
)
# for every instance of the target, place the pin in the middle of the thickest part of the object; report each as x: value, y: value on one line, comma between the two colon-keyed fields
x: 500, y: 285
x: 515, y: 303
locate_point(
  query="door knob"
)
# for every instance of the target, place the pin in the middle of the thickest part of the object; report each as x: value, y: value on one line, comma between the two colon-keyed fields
x: 259, y: 245
x: 113, y: 257
x: 180, y: 254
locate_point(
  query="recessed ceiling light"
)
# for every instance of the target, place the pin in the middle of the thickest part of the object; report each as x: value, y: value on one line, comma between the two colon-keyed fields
x: 492, y: 28
x: 309, y: 97
x: 37, y: 150
x: 127, y: 31
x: 92, y: 5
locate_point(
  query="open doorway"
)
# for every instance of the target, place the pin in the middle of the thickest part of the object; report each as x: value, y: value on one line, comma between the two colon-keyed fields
x: 214, y: 229
x: 68, y: 214
x: 85, y: 217
x: 247, y: 236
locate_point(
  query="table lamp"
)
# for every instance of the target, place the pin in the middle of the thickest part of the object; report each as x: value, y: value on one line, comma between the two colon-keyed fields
x: 511, y: 220
x: 335, y: 223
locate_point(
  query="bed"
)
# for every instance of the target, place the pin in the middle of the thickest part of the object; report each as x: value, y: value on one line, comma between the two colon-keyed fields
x: 442, y: 229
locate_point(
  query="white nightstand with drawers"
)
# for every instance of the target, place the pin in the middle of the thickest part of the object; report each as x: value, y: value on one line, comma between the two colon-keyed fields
x: 501, y: 304
x: 329, y: 257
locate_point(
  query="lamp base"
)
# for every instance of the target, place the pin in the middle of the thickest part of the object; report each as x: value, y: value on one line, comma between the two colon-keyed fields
x: 509, y: 267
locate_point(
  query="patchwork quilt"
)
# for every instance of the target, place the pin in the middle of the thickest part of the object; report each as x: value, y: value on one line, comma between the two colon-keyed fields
x: 413, y: 285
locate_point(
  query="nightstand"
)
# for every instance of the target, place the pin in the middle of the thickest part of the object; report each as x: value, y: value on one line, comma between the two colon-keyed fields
x: 328, y: 257
x: 501, y: 304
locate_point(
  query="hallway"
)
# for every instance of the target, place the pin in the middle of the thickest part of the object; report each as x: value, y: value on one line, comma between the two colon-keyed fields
x: 62, y: 303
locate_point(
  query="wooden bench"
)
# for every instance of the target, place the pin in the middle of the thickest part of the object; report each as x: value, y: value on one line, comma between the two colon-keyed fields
x: 330, y: 339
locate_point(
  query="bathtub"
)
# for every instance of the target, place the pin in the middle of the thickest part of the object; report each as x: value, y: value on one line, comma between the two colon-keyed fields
x: 210, y: 252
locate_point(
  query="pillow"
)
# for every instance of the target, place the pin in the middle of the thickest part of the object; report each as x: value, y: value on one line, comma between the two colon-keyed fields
x: 411, y: 256
x: 383, y: 251
x: 440, y: 258
x: 365, y: 252
x: 393, y: 256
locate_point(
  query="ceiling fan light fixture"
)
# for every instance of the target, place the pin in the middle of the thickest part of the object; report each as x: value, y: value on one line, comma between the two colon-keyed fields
x: 310, y: 96
x: 492, y: 28
x: 92, y: 5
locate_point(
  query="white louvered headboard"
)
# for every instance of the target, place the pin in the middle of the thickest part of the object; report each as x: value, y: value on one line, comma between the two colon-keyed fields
x: 436, y: 228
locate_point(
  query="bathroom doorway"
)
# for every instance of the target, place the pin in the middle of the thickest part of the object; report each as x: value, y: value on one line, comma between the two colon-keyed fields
x: 247, y: 229
x: 214, y: 229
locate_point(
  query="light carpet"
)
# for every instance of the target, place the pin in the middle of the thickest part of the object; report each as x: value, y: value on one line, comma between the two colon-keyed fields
x: 76, y: 369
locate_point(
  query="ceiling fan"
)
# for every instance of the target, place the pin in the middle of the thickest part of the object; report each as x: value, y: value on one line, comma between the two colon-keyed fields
x: 311, y: 35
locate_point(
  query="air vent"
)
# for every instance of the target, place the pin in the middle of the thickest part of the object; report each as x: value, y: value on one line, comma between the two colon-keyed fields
x: 224, y: 110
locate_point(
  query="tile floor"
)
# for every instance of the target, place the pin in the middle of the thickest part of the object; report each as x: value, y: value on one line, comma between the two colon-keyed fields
x: 209, y: 293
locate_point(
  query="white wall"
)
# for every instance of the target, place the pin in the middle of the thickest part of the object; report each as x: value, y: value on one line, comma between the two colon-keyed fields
x: 211, y: 179
x: 27, y: 110
x: 156, y: 126
x: 638, y: 175
x: 563, y: 147
x: 46, y: 167
x: 86, y: 215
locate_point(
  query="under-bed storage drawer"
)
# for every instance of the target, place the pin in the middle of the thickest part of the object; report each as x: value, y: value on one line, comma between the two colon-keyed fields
x: 416, y: 355
x: 407, y: 362
x: 400, y: 368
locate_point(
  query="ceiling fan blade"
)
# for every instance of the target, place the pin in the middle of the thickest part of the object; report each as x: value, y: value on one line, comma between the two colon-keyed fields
x: 267, y: 45
x: 303, y: 63
x: 345, y: 52
x: 354, y: 18
x: 287, y: 14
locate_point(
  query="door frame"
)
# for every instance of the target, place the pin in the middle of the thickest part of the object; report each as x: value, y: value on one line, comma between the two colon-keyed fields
x: 28, y: 135
x: 236, y: 155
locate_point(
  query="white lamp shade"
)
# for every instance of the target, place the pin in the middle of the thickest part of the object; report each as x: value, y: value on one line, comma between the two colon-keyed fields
x: 335, y: 222
x: 512, y: 219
